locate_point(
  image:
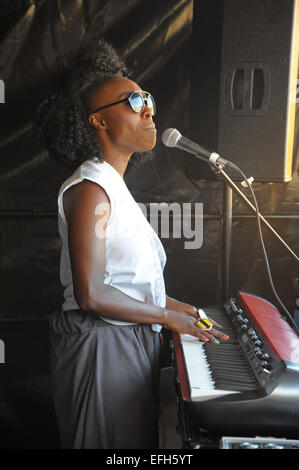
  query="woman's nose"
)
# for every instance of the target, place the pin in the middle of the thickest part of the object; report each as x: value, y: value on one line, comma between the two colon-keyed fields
x: 147, y: 112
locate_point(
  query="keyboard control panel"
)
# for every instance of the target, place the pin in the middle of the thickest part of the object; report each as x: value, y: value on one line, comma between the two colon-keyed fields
x: 259, y: 354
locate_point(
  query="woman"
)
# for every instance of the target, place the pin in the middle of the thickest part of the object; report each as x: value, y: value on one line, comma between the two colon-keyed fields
x: 105, y: 345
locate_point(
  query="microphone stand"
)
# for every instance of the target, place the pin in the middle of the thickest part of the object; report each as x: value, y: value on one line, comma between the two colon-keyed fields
x: 228, y: 224
x: 227, y: 240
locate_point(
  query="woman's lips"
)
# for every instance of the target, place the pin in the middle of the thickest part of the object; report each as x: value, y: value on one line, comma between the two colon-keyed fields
x: 150, y: 129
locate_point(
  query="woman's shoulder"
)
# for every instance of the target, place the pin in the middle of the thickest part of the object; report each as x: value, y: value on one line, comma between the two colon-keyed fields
x: 86, y: 194
x: 87, y: 185
x: 90, y: 170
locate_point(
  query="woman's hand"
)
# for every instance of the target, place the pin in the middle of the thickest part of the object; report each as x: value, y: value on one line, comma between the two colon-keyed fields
x: 185, y: 324
x: 182, y: 307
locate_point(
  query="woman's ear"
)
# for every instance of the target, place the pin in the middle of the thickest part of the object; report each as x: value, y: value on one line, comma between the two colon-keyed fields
x: 97, y: 121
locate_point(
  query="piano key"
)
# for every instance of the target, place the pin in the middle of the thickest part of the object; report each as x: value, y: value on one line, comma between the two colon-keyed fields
x: 200, y: 376
x: 215, y: 369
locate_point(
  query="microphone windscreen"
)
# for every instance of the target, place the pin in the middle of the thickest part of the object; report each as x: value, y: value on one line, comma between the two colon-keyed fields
x: 170, y: 137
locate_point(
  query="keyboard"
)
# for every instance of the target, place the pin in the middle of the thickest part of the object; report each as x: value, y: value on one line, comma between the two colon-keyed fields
x: 249, y: 382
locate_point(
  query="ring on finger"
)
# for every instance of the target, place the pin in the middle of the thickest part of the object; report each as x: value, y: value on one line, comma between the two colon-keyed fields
x: 203, y: 324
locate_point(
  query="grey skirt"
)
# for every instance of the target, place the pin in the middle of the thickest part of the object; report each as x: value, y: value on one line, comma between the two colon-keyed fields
x: 105, y: 382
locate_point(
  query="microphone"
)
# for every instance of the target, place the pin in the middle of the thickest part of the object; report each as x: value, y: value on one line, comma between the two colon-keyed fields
x: 173, y: 138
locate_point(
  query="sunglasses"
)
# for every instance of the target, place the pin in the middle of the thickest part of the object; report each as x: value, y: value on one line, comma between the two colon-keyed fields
x: 137, y: 100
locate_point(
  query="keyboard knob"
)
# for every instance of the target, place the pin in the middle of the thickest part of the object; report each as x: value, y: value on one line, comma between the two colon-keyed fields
x: 249, y: 445
x: 244, y: 445
x: 271, y: 445
x: 268, y: 369
x: 258, y: 352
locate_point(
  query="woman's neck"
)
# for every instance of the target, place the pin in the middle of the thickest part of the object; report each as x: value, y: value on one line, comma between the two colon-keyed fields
x: 120, y: 165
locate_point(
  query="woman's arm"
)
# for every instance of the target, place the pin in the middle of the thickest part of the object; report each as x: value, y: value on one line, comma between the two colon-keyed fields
x: 88, y: 262
x: 179, y: 306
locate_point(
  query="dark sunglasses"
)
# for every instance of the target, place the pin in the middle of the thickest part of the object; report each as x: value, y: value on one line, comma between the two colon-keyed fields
x: 137, y: 100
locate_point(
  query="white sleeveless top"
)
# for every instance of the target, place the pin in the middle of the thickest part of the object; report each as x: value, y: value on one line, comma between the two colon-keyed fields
x: 135, y: 257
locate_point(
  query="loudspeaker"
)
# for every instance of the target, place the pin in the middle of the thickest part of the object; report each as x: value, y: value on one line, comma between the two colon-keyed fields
x: 244, y: 84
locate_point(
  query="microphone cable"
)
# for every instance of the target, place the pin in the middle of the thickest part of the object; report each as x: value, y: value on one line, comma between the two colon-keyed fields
x: 265, y: 256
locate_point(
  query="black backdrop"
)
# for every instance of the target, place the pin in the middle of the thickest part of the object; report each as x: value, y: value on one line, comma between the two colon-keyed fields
x: 155, y: 37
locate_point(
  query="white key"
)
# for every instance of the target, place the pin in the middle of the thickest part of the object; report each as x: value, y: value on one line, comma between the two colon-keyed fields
x: 198, y: 369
